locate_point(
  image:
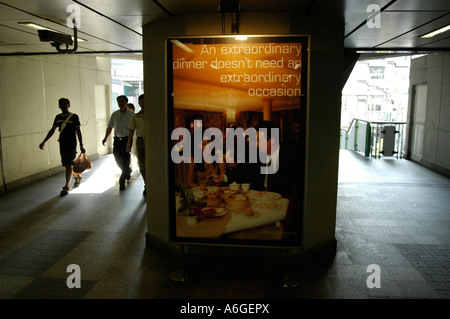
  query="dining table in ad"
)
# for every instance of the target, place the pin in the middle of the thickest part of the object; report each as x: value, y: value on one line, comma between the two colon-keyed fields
x: 233, y: 211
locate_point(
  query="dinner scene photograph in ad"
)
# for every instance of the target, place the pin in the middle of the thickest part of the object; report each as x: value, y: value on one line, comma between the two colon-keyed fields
x: 237, y: 109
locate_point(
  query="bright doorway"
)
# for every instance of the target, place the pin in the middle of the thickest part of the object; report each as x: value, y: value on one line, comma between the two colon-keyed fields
x: 418, y: 112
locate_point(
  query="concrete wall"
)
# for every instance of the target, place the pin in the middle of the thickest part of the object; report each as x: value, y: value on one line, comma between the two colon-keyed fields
x: 434, y: 70
x: 326, y: 68
x: 30, y: 87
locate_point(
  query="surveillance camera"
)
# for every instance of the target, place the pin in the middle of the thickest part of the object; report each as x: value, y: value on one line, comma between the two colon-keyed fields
x: 55, y: 37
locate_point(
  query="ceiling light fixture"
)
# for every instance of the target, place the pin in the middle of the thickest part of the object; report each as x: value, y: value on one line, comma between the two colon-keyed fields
x: 435, y: 32
x: 34, y: 26
x: 182, y: 45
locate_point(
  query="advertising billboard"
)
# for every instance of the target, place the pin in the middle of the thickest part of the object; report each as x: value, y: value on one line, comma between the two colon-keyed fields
x: 237, y: 109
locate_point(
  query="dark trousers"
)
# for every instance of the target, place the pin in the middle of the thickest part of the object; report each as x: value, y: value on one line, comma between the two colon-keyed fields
x: 122, y: 157
x: 140, y: 147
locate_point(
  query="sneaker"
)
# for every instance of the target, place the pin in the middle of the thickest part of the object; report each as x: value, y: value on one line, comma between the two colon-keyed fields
x: 64, y: 191
x: 122, y: 186
x: 77, y: 181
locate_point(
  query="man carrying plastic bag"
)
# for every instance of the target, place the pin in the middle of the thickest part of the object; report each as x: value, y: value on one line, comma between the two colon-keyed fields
x: 69, y: 129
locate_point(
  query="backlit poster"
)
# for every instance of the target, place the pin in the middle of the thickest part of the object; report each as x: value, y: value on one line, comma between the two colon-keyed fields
x: 237, y: 110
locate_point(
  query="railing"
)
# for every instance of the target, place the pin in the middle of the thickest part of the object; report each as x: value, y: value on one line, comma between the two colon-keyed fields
x: 374, y: 139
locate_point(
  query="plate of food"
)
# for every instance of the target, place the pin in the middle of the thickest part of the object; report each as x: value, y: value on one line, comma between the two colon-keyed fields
x: 226, y: 193
x: 211, y: 212
x: 219, y: 212
x: 263, y: 196
x: 237, y: 203
x: 266, y: 207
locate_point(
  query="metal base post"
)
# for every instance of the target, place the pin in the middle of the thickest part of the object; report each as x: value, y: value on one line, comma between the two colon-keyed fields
x: 287, y: 283
x: 180, y: 275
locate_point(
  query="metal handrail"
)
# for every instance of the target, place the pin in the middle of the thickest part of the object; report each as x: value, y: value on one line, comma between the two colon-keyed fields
x: 370, y: 122
x: 351, y: 124
x: 373, y: 137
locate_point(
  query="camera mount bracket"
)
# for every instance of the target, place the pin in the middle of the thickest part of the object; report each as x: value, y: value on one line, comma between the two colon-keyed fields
x: 67, y: 50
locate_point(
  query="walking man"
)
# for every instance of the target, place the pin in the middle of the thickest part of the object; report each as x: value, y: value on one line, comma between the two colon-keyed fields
x: 137, y: 125
x: 69, y: 129
x: 120, y: 121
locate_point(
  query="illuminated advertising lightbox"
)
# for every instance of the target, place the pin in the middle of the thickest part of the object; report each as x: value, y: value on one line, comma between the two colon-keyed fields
x: 237, y: 110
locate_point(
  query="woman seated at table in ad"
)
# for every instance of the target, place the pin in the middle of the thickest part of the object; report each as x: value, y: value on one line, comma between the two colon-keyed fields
x: 205, y: 174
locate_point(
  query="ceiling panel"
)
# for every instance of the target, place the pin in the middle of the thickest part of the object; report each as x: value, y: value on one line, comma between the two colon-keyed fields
x: 412, y: 43
x: 181, y: 6
x: 136, y: 22
x: 123, y: 8
x: 282, y: 5
x: 24, y: 48
x: 393, y: 24
x: 438, y: 44
x: 13, y: 36
x: 131, y: 13
x: 420, y: 5
x: 102, y: 46
x: 18, y: 34
x: 54, y: 10
x: 412, y: 39
x: 116, y: 25
x: 109, y: 30
x: 104, y: 33
x: 356, y: 12
x: 176, y: 7
x: 8, y: 13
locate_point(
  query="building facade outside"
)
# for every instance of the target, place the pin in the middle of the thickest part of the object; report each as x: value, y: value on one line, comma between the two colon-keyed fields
x: 127, y: 79
x: 377, y: 90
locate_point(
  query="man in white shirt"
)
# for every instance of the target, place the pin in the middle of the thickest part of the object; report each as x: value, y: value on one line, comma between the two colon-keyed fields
x: 119, y: 121
x: 137, y: 125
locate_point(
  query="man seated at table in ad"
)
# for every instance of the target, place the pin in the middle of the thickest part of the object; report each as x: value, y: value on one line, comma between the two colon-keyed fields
x: 277, y: 170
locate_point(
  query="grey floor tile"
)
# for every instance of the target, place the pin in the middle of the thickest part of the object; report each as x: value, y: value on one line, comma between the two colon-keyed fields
x: 404, y: 273
x: 417, y: 289
x: 364, y: 258
x: 394, y: 260
x: 394, y: 221
x: 51, y: 288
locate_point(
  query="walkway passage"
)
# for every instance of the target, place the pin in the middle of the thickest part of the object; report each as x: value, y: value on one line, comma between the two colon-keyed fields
x: 392, y: 213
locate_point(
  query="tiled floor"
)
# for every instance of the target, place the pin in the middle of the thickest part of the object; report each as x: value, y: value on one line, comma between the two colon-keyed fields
x: 391, y: 213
